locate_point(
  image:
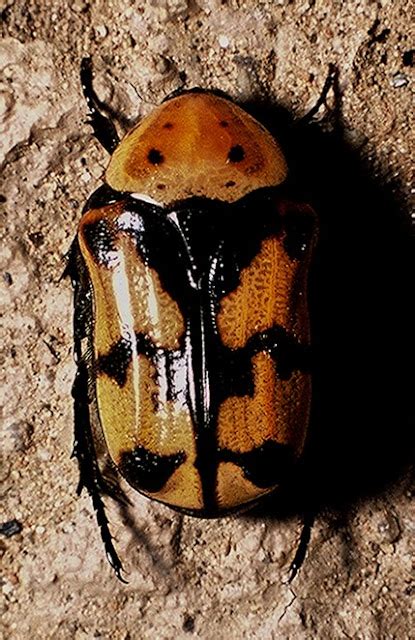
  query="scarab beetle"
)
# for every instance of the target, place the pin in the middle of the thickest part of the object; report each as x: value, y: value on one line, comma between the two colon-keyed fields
x: 191, y: 325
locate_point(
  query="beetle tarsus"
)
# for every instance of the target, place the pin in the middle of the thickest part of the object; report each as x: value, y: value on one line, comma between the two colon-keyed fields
x: 89, y: 473
x: 104, y: 128
x: 90, y: 476
x: 331, y: 81
x: 106, y: 536
x: 300, y: 554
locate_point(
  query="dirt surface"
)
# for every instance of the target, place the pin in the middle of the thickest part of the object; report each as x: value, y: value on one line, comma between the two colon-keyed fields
x: 225, y: 578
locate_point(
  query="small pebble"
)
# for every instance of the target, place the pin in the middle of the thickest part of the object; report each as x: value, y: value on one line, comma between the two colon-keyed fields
x: 10, y: 528
x: 223, y: 41
x: 399, y: 80
x: 101, y: 31
x: 79, y: 5
x: 7, y: 588
x: 7, y: 278
x: 389, y: 529
x: 44, y: 455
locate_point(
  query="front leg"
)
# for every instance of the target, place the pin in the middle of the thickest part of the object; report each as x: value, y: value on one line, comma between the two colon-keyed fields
x: 104, y: 129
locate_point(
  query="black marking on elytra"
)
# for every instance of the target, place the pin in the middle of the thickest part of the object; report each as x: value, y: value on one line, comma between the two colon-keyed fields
x: 236, y: 153
x: 230, y: 183
x: 265, y: 466
x: 155, y: 156
x: 204, y: 230
x: 101, y: 242
x: 289, y: 354
x: 168, y: 125
x: 198, y: 248
x: 115, y: 363
x: 224, y: 123
x: 147, y: 471
x: 169, y: 366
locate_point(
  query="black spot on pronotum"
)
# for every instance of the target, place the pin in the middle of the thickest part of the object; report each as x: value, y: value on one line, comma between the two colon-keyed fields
x: 224, y: 124
x: 167, y: 125
x: 155, y: 156
x: 148, y: 471
x: 236, y: 153
x: 161, y: 186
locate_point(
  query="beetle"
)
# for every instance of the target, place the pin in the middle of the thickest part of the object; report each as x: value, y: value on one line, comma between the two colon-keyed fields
x: 191, y: 328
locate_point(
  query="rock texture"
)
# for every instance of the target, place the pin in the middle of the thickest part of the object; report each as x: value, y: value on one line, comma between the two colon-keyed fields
x: 215, y: 579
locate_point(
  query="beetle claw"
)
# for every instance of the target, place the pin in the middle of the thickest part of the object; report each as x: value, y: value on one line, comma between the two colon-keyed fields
x: 116, y: 565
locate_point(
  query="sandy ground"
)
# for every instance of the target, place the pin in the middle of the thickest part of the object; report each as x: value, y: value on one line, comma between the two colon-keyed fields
x: 226, y: 578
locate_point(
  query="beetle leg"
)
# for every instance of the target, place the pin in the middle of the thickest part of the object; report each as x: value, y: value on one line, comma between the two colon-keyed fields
x: 111, y: 489
x: 300, y: 554
x: 104, y: 129
x: 331, y: 81
x: 90, y: 475
x: 70, y: 263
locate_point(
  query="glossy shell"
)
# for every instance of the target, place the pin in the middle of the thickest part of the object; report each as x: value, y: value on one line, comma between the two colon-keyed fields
x: 197, y: 144
x: 200, y: 340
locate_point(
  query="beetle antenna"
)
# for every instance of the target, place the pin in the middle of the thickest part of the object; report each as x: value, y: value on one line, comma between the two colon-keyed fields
x: 104, y: 128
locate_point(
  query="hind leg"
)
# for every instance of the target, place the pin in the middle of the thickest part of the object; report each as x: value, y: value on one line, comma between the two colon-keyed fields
x: 90, y: 475
x: 301, y: 552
